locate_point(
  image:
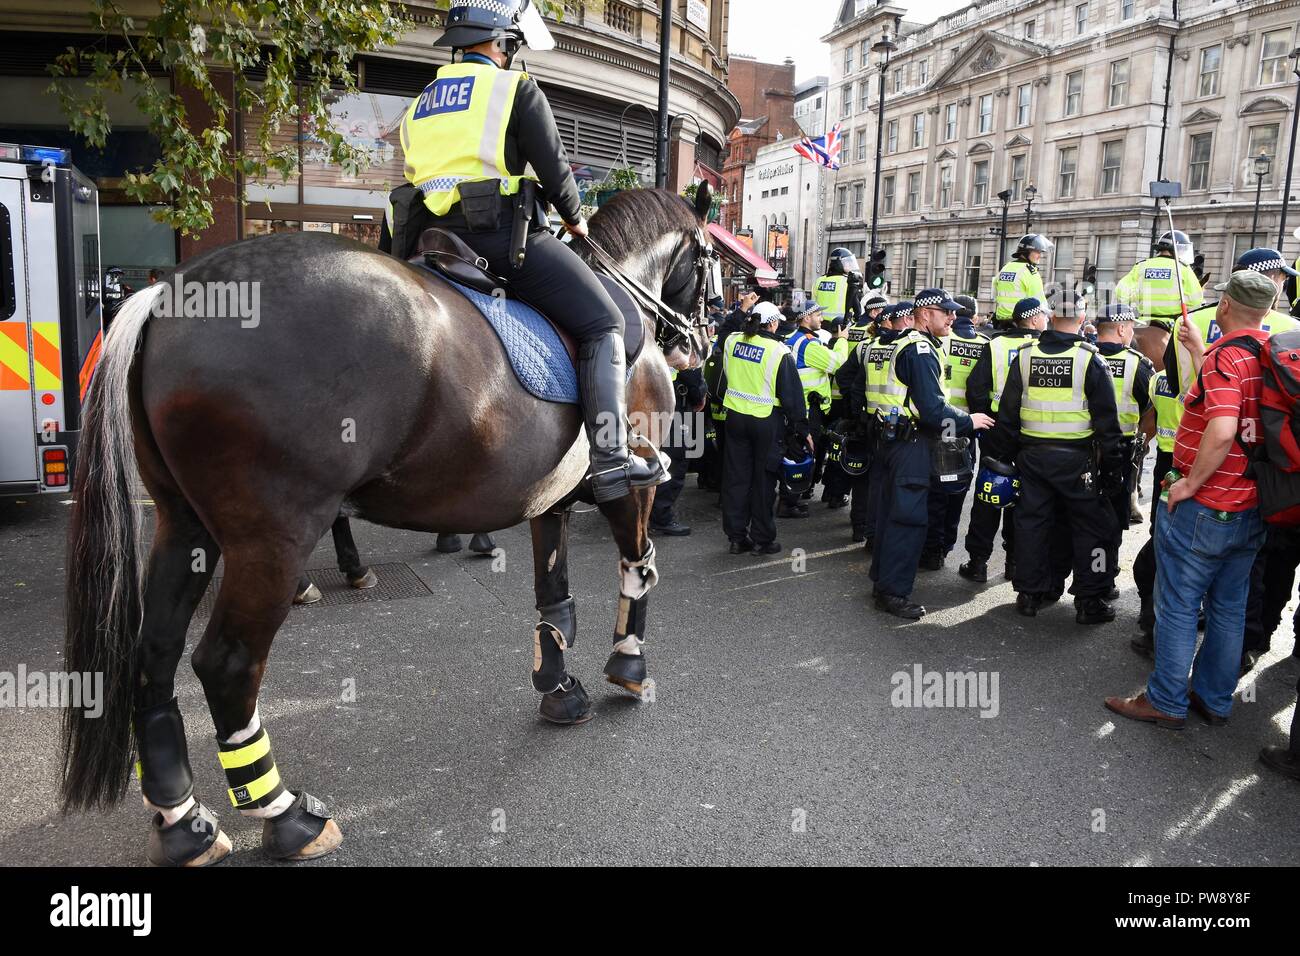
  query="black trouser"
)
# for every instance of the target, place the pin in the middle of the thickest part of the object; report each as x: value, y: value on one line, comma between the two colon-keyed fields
x: 862, y: 512
x: 553, y: 279
x: 661, y: 513
x: 1050, y: 480
x: 901, y: 472
x: 1119, y: 503
x: 983, y: 527
x: 835, y: 484
x: 751, y: 470
x: 1271, y: 583
x: 815, y: 422
x: 711, y: 464
x: 1144, y: 565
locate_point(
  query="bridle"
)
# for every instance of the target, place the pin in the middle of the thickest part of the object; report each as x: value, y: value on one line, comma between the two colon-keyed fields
x: 672, y: 329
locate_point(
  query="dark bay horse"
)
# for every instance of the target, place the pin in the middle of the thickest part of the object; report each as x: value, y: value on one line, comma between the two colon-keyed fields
x: 365, y: 386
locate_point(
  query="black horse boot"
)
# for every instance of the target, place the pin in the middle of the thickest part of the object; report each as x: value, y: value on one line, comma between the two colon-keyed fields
x: 614, y: 470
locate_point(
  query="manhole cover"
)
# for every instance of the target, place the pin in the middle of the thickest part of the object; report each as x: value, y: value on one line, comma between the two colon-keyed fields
x: 396, y: 581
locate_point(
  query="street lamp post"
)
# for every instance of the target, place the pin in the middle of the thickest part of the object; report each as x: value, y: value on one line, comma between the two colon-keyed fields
x: 1290, y: 156
x: 883, y: 46
x: 1031, y: 192
x: 1263, y: 163
x: 1005, y: 196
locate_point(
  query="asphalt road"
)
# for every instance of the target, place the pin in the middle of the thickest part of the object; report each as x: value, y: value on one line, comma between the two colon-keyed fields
x: 771, y: 738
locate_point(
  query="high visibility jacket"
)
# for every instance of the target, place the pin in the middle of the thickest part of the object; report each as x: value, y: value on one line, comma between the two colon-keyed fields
x: 841, y: 348
x: 831, y: 294
x: 1052, y: 404
x: 1151, y: 288
x: 455, y: 132
x: 1204, y: 320
x: 885, y: 391
x: 816, y: 364
x: 1003, y: 350
x: 960, y: 355
x: 750, y: 363
x: 1295, y: 299
x: 1123, y: 372
x: 1169, y: 411
x: 1015, y: 281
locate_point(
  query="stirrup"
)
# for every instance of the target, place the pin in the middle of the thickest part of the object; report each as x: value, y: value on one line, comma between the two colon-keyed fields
x: 636, y: 472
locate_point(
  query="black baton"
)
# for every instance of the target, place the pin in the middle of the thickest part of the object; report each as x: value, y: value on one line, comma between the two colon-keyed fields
x: 523, y: 220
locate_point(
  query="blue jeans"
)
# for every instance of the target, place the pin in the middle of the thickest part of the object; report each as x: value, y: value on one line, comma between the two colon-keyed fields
x: 1200, y: 558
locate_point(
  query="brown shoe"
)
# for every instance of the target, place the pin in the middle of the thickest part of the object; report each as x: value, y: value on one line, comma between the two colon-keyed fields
x: 1209, y: 716
x: 1139, y: 708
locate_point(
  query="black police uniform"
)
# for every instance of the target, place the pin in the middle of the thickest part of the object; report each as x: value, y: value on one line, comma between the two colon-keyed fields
x: 1122, y: 495
x: 866, y: 492
x: 690, y: 391
x: 1057, y: 474
x: 837, y: 485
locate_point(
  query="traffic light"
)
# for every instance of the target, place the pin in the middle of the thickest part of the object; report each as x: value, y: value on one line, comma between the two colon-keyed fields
x: 1089, y: 277
x: 876, y: 270
x: 1198, y: 267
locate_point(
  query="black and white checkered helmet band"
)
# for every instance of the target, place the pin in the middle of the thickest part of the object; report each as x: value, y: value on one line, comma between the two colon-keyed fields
x: 1030, y: 313
x: 1268, y: 265
x: 926, y: 301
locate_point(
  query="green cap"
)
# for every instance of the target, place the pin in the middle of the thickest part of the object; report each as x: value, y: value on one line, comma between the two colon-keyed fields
x: 1252, y: 289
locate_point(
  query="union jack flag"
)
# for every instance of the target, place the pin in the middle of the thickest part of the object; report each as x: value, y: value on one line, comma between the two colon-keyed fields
x: 824, y: 150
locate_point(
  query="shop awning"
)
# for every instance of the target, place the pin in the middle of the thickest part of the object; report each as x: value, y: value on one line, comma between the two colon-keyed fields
x: 743, y: 257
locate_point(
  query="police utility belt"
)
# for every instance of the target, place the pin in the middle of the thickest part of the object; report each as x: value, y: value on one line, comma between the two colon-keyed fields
x: 486, y: 210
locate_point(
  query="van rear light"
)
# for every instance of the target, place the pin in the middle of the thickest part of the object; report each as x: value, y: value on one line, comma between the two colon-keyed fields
x: 54, y: 465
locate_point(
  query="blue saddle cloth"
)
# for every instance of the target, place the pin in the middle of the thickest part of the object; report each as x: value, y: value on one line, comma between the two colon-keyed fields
x: 535, y: 349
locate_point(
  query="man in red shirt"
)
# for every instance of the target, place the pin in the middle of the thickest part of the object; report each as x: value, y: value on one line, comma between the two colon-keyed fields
x: 1210, y: 529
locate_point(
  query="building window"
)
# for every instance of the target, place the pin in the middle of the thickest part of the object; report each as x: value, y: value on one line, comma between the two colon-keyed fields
x: 1073, y: 92
x: 1272, y: 58
x: 1119, y: 83
x: 974, y: 248
x: 1063, y: 262
x: 846, y: 147
x: 1029, y: 29
x: 1198, y: 170
x: 1263, y: 139
x: 945, y: 187
x: 1126, y: 9
x: 923, y: 72
x: 864, y: 54
x: 1068, y: 162
x: 887, y: 202
x: 950, y: 122
x: 940, y: 264
x: 1112, y: 159
x: 1211, y: 57
x: 841, y: 203
x: 1081, y: 19
x: 858, y: 190
x: 891, y: 136
x: 980, y: 184
x: 1107, y: 259
x: 918, y: 130
x: 846, y: 105
x: 986, y: 113
x: 848, y: 60
x: 909, y: 267
x: 862, y: 145
x: 864, y: 99
x: 898, y: 80
x: 913, y: 192
x: 1017, y: 185
x: 1024, y: 98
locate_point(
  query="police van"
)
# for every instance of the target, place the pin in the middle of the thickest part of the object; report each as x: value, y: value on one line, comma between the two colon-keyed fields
x: 50, y: 314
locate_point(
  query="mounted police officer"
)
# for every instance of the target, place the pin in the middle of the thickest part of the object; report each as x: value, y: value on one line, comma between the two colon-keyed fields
x: 962, y: 349
x: 1154, y: 288
x: 839, y: 290
x: 470, y: 140
x: 984, y: 387
x: 1131, y: 372
x: 1020, y: 278
x: 837, y: 484
x: 909, y: 411
x: 1058, y: 413
x: 816, y: 364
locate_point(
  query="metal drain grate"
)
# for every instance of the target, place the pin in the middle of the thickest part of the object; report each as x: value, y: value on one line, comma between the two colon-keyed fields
x: 396, y: 581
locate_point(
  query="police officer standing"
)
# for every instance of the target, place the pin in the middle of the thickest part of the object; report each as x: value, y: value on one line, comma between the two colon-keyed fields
x: 838, y: 292
x: 816, y: 364
x: 837, y: 484
x: 984, y: 388
x: 1168, y: 411
x: 1019, y: 278
x: 962, y: 349
x: 1058, y: 414
x: 904, y: 393
x: 763, y: 397
x: 1154, y: 288
x: 1131, y: 373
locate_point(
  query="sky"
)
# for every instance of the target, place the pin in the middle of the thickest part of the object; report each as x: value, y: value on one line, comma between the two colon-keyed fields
x: 771, y: 30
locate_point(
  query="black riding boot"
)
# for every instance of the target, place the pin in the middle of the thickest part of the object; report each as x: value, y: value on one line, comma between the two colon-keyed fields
x: 614, y: 471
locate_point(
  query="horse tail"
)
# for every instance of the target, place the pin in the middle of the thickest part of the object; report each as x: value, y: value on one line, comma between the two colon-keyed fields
x: 105, y: 573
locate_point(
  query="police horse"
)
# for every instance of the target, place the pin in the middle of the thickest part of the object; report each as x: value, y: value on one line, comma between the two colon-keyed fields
x: 353, y: 392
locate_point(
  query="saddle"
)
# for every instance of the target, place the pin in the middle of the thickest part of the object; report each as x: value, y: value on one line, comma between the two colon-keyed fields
x: 533, y: 342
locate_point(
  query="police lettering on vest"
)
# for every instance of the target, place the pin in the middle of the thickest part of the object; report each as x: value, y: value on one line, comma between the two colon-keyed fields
x: 886, y: 392
x: 1169, y: 410
x: 750, y: 365
x: 961, y: 355
x: 1015, y: 281
x: 1123, y: 372
x: 1052, y: 404
x: 831, y: 294
x: 1002, y: 353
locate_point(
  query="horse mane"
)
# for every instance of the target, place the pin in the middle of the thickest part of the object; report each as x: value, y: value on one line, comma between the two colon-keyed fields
x: 634, y: 220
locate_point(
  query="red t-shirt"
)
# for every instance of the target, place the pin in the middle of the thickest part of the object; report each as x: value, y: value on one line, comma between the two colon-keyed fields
x: 1230, y: 379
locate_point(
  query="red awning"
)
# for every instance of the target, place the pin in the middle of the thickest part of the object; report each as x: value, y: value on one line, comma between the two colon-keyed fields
x: 743, y: 257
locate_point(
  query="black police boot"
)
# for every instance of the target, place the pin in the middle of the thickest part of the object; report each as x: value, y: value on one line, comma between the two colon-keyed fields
x: 795, y: 510
x: 1283, y: 760
x: 931, y: 562
x: 614, y: 470
x: 772, y: 547
x: 898, y: 606
x: 972, y: 570
x: 1145, y: 643
x: 859, y: 536
x: 1027, y: 604
x: 1093, y: 610
x: 742, y: 546
x: 673, y: 529
x: 836, y: 501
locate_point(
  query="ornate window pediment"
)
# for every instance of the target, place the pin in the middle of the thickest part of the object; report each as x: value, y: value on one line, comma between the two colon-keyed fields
x: 1201, y: 116
x: 1017, y: 140
x: 980, y: 147
x: 946, y: 154
x: 1265, y: 104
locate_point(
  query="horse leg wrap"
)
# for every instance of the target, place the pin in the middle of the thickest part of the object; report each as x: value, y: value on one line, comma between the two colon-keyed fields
x: 185, y: 840
x: 285, y: 835
x: 637, y: 577
x: 251, y: 772
x: 553, y: 635
x: 629, y: 630
x: 164, y: 767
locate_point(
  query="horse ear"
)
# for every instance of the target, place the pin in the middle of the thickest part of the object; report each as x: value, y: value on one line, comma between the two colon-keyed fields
x: 703, y: 200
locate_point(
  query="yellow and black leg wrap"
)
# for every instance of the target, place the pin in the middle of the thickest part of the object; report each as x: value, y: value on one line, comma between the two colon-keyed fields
x: 251, y: 772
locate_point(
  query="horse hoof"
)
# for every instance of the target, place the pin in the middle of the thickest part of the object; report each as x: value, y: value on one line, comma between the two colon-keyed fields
x: 626, y: 670
x: 449, y: 543
x: 570, y: 706
x: 482, y: 544
x: 309, y: 596
x: 303, y: 832
x: 219, y: 850
x: 365, y: 582
x: 194, y: 840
